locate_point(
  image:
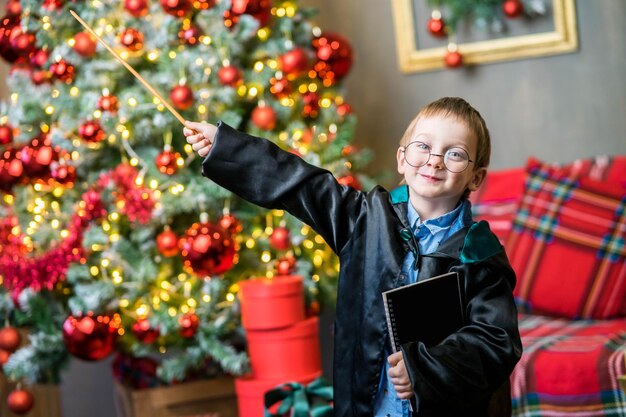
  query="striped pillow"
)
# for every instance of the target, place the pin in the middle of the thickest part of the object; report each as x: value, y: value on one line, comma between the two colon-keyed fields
x: 567, y: 245
x: 497, y: 198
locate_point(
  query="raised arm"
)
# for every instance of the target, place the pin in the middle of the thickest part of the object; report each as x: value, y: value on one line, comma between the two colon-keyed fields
x: 260, y: 172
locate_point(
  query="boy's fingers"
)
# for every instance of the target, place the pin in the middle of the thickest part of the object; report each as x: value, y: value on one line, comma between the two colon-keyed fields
x: 200, y: 144
x: 394, y: 358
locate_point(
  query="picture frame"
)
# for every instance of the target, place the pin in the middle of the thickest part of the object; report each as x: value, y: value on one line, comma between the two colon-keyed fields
x: 561, y: 37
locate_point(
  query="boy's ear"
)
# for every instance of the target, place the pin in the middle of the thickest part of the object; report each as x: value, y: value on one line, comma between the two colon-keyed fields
x: 400, y: 159
x: 477, y: 179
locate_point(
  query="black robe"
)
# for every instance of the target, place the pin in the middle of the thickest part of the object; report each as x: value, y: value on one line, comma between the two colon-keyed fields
x: 455, y: 378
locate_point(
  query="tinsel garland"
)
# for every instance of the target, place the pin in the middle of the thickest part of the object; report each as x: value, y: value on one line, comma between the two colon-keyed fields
x: 44, y: 271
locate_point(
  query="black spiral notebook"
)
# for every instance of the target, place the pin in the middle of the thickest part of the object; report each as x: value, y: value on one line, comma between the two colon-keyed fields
x: 427, y: 311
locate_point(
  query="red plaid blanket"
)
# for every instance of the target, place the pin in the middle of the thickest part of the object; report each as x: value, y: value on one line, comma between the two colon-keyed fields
x: 579, y: 360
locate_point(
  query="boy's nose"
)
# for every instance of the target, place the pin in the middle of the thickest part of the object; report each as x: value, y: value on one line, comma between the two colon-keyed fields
x: 437, y: 162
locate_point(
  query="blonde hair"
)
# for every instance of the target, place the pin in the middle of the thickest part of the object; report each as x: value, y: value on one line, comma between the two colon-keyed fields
x: 463, y: 111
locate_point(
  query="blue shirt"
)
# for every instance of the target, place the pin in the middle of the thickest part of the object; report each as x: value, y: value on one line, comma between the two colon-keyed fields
x: 429, y: 235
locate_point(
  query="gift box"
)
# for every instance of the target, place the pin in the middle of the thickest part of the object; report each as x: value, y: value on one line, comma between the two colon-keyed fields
x: 251, y: 392
x: 281, y: 354
x: 268, y: 304
x: 300, y: 400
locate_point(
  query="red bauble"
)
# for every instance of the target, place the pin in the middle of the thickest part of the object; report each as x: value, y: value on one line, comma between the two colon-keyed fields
x: 280, y: 238
x: 144, y: 333
x: 334, y: 55
x: 167, y: 162
x: 293, y: 63
x: 207, y: 250
x: 10, y: 339
x: 6, y: 134
x: 259, y: 9
x: 344, y: 109
x: 132, y: 39
x: 453, y: 59
x: 23, y: 42
x: 84, y: 44
x: 52, y: 5
x: 311, y: 103
x: 167, y: 243
x: 38, y: 156
x: 437, y: 27
x: 20, y: 401
x: 189, y: 34
x: 62, y: 70
x: 39, y: 58
x: 8, y: 25
x: 4, y: 357
x: 11, y: 169
x: 264, y: 117
x: 178, y: 8
x: 182, y: 97
x: 137, y: 8
x: 108, y: 103
x: 62, y: 173
x: 14, y: 8
x: 229, y: 75
x: 204, y: 4
x: 90, y: 337
x: 91, y: 132
x: 513, y: 8
x: 350, y: 181
x: 280, y: 87
x: 286, y: 266
x: 189, y: 323
x: 39, y: 77
x: 230, y: 223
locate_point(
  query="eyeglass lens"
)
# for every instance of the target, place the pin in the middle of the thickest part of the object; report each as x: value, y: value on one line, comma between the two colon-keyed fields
x: 417, y: 154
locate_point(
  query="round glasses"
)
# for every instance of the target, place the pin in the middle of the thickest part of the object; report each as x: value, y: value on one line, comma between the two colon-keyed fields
x: 418, y: 154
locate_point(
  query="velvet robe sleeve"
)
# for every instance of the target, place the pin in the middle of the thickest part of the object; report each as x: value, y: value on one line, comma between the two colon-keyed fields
x: 464, y: 370
x: 260, y: 172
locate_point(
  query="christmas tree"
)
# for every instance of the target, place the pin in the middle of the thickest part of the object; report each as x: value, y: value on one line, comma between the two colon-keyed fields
x: 110, y: 239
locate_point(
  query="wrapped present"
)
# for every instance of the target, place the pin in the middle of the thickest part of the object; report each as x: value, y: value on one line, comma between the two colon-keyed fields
x: 297, y: 400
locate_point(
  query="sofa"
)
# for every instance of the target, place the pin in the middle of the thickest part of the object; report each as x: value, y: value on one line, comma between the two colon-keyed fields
x: 564, y: 230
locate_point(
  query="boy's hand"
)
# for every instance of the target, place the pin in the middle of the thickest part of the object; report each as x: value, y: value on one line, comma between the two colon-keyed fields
x: 200, y: 136
x: 399, y: 376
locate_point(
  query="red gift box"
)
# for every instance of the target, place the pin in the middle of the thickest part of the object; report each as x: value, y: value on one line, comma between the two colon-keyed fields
x: 285, y: 353
x: 268, y: 304
x: 251, y: 392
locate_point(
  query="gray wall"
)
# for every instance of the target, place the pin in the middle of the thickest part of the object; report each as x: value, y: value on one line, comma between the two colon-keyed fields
x: 556, y: 108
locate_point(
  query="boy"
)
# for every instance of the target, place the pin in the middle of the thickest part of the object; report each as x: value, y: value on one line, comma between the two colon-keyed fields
x: 443, y: 156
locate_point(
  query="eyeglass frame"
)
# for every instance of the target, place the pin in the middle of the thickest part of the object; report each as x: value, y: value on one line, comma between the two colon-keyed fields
x: 442, y: 156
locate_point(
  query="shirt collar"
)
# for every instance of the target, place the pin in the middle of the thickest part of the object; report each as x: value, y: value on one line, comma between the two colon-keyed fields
x: 440, y: 223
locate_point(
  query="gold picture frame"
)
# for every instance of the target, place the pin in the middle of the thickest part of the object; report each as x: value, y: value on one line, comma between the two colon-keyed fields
x: 563, y: 39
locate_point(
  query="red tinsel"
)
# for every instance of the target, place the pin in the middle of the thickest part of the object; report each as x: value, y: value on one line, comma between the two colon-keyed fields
x: 44, y: 271
x: 134, y: 201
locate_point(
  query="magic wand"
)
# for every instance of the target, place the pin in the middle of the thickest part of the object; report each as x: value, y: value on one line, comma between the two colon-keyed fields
x: 131, y: 69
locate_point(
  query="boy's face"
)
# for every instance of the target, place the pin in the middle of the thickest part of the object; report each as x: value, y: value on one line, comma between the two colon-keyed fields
x: 432, y: 187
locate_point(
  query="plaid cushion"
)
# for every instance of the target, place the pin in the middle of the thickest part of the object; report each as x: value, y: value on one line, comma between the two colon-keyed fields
x: 567, y: 245
x: 569, y: 368
x: 497, y: 198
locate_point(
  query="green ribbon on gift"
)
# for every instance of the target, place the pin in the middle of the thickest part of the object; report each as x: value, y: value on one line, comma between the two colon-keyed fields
x: 296, y: 397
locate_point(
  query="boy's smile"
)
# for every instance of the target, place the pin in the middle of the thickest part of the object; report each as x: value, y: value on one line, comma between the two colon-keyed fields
x: 433, y: 189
